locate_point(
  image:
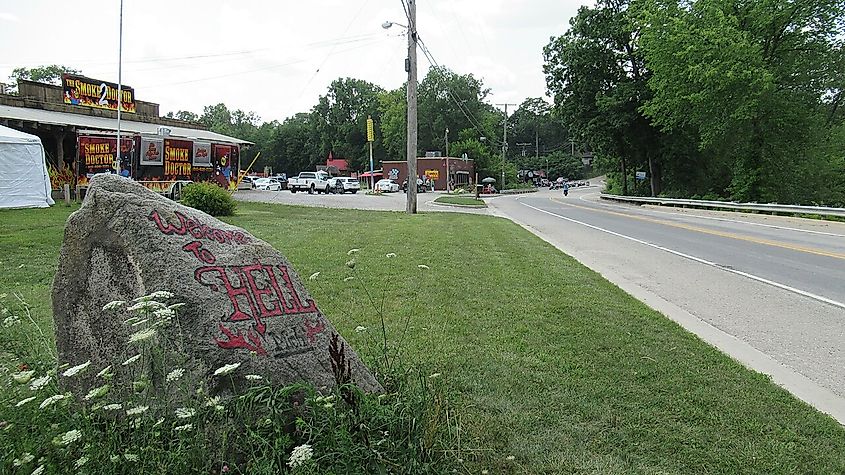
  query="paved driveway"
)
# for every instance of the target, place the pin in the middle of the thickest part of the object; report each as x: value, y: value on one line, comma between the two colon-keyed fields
x: 360, y: 200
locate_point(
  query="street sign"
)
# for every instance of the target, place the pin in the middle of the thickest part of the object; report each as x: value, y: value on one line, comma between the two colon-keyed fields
x: 371, y: 136
x: 640, y: 175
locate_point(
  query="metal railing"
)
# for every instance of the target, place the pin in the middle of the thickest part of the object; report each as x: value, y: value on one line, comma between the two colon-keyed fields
x: 728, y: 205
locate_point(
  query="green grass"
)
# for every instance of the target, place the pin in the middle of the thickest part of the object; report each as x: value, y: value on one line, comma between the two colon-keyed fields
x: 461, y: 200
x: 544, y: 359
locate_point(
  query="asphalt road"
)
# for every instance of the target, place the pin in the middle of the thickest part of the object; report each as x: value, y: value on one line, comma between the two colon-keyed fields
x: 768, y: 290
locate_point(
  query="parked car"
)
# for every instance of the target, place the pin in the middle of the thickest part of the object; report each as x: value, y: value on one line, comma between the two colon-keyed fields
x: 421, y: 186
x: 269, y: 184
x: 310, y: 182
x: 247, y: 183
x: 282, y: 179
x: 343, y: 184
x: 387, y: 186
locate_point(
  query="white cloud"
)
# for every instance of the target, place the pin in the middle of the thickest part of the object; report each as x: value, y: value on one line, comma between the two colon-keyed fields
x: 9, y: 17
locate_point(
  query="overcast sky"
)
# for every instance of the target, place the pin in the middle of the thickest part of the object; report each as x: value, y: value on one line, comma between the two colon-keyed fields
x: 277, y: 57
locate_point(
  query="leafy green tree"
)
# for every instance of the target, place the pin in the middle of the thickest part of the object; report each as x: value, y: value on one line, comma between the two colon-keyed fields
x: 187, y: 116
x: 51, y: 74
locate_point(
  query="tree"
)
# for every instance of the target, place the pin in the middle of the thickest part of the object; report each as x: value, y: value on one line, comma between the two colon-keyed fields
x: 187, y: 116
x: 51, y: 74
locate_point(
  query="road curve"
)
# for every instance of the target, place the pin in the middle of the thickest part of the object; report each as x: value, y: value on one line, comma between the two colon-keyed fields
x: 768, y: 290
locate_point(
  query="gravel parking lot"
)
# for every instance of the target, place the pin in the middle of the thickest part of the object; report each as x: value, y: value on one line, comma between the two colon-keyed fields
x: 360, y: 200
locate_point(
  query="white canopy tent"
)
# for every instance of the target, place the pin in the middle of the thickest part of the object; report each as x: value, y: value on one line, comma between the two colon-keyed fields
x: 24, y: 180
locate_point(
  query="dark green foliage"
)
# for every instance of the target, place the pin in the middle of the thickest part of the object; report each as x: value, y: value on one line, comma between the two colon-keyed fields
x: 209, y: 198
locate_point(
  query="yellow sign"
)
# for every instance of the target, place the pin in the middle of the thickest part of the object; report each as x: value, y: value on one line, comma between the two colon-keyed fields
x: 371, y: 136
x: 432, y: 174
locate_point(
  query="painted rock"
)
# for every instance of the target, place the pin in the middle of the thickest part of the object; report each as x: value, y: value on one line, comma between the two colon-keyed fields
x: 244, y: 302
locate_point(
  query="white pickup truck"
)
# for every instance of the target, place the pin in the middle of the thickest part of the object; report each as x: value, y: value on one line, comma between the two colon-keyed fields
x: 310, y: 182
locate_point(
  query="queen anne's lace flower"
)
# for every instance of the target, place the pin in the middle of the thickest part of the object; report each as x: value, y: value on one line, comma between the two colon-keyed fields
x: 39, y: 383
x: 352, y: 251
x: 38, y: 471
x: 24, y: 401
x: 183, y: 428
x: 97, y: 392
x: 314, y: 276
x: 300, y: 455
x: 146, y: 305
x: 82, y: 461
x: 360, y: 329
x: 423, y: 266
x: 70, y: 437
x: 137, y: 410
x: 185, y: 412
x: 131, y: 360
x: 157, y: 295
x: 131, y: 457
x: 78, y: 369
x: 51, y: 400
x: 114, y: 305
x: 113, y: 407
x: 226, y: 369
x: 104, y: 372
x: 142, y: 335
x: 25, y: 459
x: 174, y: 375
x: 253, y: 377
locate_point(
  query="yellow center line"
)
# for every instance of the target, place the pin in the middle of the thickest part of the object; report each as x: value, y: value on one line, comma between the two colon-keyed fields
x: 724, y: 234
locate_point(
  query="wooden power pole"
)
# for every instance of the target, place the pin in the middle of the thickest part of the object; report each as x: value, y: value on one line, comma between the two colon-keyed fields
x: 411, y: 205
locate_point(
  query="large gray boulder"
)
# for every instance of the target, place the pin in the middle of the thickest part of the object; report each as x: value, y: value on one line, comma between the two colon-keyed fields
x: 244, y: 302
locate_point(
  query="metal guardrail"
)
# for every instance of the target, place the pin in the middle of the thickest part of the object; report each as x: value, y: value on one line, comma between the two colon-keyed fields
x: 769, y: 208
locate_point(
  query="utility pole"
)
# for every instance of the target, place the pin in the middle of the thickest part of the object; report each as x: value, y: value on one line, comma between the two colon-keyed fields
x: 505, y: 141
x: 411, y: 205
x: 448, y: 177
x: 119, y: 85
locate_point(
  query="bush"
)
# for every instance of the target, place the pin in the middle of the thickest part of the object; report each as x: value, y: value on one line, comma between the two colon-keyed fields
x: 209, y: 198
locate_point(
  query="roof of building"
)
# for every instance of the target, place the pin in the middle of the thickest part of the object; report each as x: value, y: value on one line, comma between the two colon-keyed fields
x: 102, y: 123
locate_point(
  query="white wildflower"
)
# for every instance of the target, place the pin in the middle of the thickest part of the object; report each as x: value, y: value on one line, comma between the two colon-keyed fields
x: 390, y: 255
x: 135, y: 423
x: 174, y: 375
x: 226, y: 369
x: 113, y: 407
x: 352, y: 251
x: 40, y: 469
x: 131, y: 457
x: 185, y: 412
x: 253, y: 377
x: 51, y: 400
x: 510, y: 457
x: 114, y: 305
x: 25, y: 459
x: 69, y: 437
x: 146, y: 305
x: 104, y: 373
x: 23, y: 377
x: 176, y: 305
x: 76, y: 369
x: 360, y: 329
x: 314, y: 276
x: 97, y: 392
x: 423, y: 266
x: 164, y: 313
x: 39, y: 383
x: 215, y: 403
x: 82, y: 461
x: 434, y: 376
x: 24, y: 401
x: 131, y: 360
x: 300, y: 455
x: 137, y: 410
x: 348, y: 278
x: 142, y: 335
x: 350, y: 264
x: 183, y: 428
x: 11, y: 320
x: 158, y: 422
x: 140, y: 322
x: 157, y: 295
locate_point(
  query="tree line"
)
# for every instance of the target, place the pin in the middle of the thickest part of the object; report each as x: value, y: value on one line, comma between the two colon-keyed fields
x: 721, y: 99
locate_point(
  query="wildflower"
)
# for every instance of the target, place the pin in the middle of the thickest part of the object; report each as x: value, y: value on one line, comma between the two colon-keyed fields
x: 485, y: 472
x: 350, y: 264
x: 164, y: 313
x: 511, y: 457
x: 105, y: 372
x: 40, y: 469
x: 76, y: 369
x: 314, y: 276
x: 185, y: 412
x: 300, y: 455
x: 434, y: 376
x: 131, y: 360
x: 24, y: 401
x: 142, y: 335
x: 253, y: 377
x: 176, y: 305
x: 360, y: 329
x: 146, y: 306
x: 113, y: 407
x: 174, y: 375
x: 215, y: 403
x: 52, y: 399
x: 82, y: 461
x: 157, y: 295
x: 348, y: 279
x: 39, y: 383
x: 352, y: 251
x: 423, y: 266
x: 68, y: 437
x: 226, y: 369
x: 114, y: 305
x: 114, y: 458
x: 183, y: 428
x: 137, y: 410
x: 97, y: 392
x: 158, y: 423
x: 224, y: 469
x: 23, y: 377
x: 139, y: 322
x: 390, y: 255
x: 131, y: 457
x: 11, y: 320
x: 25, y: 459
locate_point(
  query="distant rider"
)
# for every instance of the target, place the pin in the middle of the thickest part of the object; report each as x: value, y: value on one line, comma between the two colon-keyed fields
x: 566, y: 189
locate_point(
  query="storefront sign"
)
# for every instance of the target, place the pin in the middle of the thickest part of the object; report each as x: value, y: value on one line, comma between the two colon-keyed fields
x: 152, y: 151
x: 432, y: 174
x: 177, y: 158
x: 202, y: 154
x: 83, y: 91
x: 97, y: 155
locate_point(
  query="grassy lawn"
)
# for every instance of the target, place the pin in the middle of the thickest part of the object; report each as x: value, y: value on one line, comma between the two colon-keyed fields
x: 544, y: 360
x: 461, y: 200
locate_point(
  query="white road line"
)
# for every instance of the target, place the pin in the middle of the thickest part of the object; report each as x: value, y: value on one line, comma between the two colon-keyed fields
x: 785, y: 228
x: 698, y: 259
